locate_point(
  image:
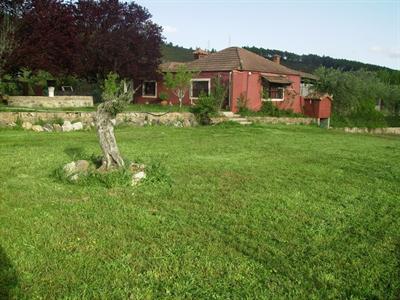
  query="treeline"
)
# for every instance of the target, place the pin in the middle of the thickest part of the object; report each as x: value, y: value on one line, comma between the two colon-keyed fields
x: 360, y: 98
x: 171, y: 52
x: 311, y: 62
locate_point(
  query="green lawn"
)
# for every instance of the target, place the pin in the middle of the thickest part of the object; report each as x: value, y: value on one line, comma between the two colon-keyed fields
x: 259, y: 212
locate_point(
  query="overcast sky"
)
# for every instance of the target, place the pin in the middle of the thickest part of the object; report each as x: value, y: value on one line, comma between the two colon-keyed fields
x: 366, y: 31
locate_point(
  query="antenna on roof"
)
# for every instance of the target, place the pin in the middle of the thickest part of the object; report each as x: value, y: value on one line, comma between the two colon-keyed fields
x: 208, y: 45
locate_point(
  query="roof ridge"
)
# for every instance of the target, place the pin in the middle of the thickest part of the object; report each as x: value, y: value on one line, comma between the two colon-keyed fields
x: 240, y: 59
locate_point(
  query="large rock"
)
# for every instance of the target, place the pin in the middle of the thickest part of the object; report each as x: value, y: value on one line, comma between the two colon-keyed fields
x: 37, y: 128
x: 76, y: 167
x: 67, y: 126
x: 82, y: 166
x: 27, y: 125
x: 48, y: 128
x: 57, y: 127
x: 77, y: 126
x: 138, y: 173
x: 137, y: 177
x: 69, y: 168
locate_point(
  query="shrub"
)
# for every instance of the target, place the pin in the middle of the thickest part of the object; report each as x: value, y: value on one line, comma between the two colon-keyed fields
x: 393, y: 121
x: 163, y: 96
x: 242, y: 104
x: 57, y: 120
x: 205, y: 108
x: 364, y: 118
x: 219, y: 91
x: 269, y: 109
x: 40, y: 122
x: 8, y: 86
x: 19, y: 122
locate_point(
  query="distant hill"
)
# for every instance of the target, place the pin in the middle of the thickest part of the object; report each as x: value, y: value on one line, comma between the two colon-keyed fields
x: 310, y: 62
x: 306, y: 62
x: 171, y: 52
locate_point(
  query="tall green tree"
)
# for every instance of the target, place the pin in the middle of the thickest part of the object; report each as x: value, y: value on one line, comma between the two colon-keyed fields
x: 356, y: 93
x: 114, y: 100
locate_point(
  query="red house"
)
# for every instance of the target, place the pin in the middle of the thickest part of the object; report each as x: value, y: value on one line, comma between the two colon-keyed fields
x: 250, y: 78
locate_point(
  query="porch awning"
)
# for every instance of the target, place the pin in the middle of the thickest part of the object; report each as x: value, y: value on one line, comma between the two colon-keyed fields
x: 277, y: 79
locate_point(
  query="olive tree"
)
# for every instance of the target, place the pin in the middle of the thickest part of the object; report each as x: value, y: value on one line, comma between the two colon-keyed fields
x: 115, y: 98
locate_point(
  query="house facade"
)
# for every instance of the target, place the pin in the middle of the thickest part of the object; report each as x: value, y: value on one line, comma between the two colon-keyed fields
x: 250, y: 78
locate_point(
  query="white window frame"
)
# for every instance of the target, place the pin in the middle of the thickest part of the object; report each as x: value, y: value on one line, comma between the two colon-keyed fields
x: 199, y: 79
x: 276, y: 99
x: 143, y: 89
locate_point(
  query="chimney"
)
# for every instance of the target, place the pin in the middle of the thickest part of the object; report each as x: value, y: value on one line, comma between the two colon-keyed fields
x: 277, y: 59
x: 199, y: 53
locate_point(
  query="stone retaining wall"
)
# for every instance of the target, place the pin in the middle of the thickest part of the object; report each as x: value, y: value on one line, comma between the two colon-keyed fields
x: 281, y: 120
x: 387, y: 130
x: 51, y: 102
x: 183, y: 119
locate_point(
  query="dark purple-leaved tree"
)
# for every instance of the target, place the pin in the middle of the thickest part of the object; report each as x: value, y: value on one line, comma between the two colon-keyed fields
x: 46, y: 35
x: 117, y: 37
x: 87, y: 38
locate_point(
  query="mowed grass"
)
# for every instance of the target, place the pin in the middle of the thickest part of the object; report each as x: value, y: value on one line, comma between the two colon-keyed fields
x: 259, y: 212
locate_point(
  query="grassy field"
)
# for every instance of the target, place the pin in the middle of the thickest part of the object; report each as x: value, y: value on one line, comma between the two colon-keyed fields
x: 253, y: 213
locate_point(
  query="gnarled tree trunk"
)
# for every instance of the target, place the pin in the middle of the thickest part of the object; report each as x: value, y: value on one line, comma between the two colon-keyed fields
x: 105, y: 131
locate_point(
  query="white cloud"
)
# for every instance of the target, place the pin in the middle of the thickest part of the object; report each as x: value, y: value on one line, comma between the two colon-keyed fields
x: 170, y: 29
x: 389, y: 52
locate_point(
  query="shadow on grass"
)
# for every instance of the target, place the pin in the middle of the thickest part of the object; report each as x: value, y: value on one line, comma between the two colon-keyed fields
x: 75, y: 153
x: 8, y: 276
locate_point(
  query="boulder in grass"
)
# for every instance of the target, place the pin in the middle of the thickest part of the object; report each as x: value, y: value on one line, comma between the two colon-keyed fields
x: 47, y: 127
x: 82, y: 166
x: 57, y: 127
x: 27, y: 125
x: 137, y: 177
x: 138, y: 173
x: 76, y: 167
x: 77, y: 126
x: 37, y: 128
x: 69, y: 168
x: 67, y: 126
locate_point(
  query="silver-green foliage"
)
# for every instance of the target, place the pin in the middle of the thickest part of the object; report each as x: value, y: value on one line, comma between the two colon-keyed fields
x: 179, y: 82
x: 116, y: 95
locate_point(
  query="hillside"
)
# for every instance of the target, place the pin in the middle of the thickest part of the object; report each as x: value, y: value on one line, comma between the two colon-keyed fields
x: 304, y: 62
x: 171, y: 52
x: 310, y: 62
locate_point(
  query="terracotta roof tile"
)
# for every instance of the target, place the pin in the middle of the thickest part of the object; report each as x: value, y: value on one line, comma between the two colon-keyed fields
x: 277, y: 79
x: 234, y: 58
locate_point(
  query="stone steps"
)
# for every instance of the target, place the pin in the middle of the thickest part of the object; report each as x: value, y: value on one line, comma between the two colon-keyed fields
x: 236, y: 118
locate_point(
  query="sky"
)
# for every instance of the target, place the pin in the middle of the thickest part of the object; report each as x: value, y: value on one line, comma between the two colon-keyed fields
x: 366, y: 31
